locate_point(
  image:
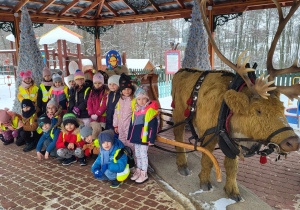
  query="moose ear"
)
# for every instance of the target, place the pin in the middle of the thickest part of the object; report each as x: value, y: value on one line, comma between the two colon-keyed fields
x: 237, y: 102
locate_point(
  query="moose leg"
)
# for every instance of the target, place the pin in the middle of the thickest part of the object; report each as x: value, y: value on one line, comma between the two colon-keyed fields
x: 181, y: 159
x: 231, y: 188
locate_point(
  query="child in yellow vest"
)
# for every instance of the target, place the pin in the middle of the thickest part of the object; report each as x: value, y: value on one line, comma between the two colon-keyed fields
x: 91, y: 146
x: 9, y: 124
x: 27, y: 89
x: 44, y: 91
x: 59, y: 92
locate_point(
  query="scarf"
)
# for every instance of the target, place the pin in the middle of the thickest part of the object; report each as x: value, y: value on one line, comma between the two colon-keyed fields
x: 25, y: 85
x: 28, y: 113
x: 97, y: 92
x: 47, y: 83
x: 138, y: 107
x: 105, y: 155
x: 58, y: 88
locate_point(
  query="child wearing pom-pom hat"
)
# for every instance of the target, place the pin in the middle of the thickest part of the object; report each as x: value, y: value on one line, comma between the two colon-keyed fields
x: 27, y: 89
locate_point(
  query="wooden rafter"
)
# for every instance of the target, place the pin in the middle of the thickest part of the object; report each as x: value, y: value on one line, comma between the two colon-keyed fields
x: 64, y: 10
x: 154, y: 5
x: 99, y: 9
x: 45, y: 6
x: 111, y: 9
x: 132, y: 9
x: 181, y: 4
x: 19, y: 6
x: 91, y: 6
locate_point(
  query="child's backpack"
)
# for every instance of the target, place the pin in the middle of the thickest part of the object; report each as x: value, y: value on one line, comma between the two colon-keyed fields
x: 129, y: 153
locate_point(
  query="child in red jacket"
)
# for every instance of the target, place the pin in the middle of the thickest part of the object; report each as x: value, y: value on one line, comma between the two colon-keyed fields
x: 69, y: 143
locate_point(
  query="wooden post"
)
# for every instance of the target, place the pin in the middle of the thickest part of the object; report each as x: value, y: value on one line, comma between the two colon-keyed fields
x: 210, y: 48
x: 59, y: 54
x: 79, y: 57
x: 46, y: 55
x: 17, y: 42
x: 54, y: 58
x: 98, y: 54
x: 65, y: 57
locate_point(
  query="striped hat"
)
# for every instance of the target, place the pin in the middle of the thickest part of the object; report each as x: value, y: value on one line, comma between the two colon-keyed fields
x: 79, y: 75
x: 70, y: 118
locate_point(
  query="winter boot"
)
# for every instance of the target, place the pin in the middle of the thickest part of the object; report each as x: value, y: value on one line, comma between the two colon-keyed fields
x: 82, y: 161
x: 115, y: 184
x: 136, y: 174
x: 142, y: 178
x: 69, y: 161
x: 29, y: 147
x: 7, y: 142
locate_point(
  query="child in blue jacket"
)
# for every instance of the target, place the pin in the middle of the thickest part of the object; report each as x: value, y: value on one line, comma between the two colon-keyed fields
x: 107, y: 166
x: 49, y: 137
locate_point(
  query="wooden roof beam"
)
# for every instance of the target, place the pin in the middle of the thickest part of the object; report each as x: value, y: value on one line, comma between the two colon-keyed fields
x: 132, y: 9
x: 111, y: 9
x: 68, y: 7
x: 45, y: 6
x: 19, y: 6
x: 90, y: 7
x: 181, y: 4
x: 154, y: 5
x: 99, y: 9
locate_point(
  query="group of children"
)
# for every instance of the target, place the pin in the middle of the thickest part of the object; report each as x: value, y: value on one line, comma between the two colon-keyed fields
x: 87, y: 119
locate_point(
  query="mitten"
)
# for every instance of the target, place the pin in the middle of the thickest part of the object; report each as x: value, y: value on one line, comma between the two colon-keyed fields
x: 94, y: 117
x: 76, y: 110
x: 15, y: 133
x: 87, y: 152
x: 98, y: 173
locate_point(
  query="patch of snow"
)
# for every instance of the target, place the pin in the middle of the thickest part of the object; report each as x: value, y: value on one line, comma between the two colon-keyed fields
x: 59, y: 33
x: 197, y: 192
x: 166, y: 102
x: 222, y: 203
x: 7, y: 95
x: 10, y: 37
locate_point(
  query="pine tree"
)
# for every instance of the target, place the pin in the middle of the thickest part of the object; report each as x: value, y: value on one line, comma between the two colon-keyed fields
x: 30, y: 57
x: 196, y: 52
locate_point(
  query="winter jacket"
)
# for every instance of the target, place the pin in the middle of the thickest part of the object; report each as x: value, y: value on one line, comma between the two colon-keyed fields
x: 51, y: 135
x: 61, y: 97
x: 79, y: 99
x: 116, y: 166
x: 144, y: 125
x: 30, y: 93
x: 41, y: 98
x: 94, y: 147
x: 97, y: 105
x: 66, y: 137
x: 112, y: 100
x: 30, y: 124
x: 122, y: 116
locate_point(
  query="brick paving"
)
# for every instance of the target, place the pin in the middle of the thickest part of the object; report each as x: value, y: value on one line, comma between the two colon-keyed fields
x: 27, y: 183
x: 277, y: 183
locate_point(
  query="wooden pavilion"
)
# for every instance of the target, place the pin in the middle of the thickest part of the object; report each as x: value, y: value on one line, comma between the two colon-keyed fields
x: 98, y: 13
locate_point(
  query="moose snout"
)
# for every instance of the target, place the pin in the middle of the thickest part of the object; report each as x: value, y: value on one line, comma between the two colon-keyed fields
x: 290, y: 144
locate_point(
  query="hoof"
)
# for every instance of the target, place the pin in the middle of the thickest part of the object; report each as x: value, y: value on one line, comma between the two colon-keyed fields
x: 184, y: 171
x: 236, y: 198
x: 206, y: 187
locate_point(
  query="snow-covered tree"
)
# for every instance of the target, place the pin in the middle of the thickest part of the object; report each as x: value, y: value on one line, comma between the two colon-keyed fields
x: 30, y: 57
x: 196, y: 52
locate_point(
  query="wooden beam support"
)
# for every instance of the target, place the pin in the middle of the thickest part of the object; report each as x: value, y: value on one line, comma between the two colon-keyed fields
x: 98, y: 53
x: 59, y: 55
x: 130, y: 8
x: 17, y: 37
x: 154, y: 5
x: 65, y: 56
x: 99, y: 9
x: 211, y: 51
x: 46, y: 55
x: 45, y: 6
x: 91, y: 6
x: 111, y: 9
x: 69, y: 6
x: 19, y: 6
x: 79, y: 56
x: 181, y: 4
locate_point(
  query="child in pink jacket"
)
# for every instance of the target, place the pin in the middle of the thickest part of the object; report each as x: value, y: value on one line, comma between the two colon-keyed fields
x: 124, y: 109
x: 96, y: 104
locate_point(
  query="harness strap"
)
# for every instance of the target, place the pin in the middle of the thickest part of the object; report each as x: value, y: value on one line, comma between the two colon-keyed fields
x: 277, y: 132
x: 163, y: 149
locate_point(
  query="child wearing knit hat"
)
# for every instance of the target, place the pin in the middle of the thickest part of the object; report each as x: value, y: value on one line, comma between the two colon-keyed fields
x: 69, y: 143
x: 142, y: 131
x: 124, y: 108
x: 10, y: 122
x: 91, y: 146
x: 49, y: 137
x: 96, y: 104
x: 70, y: 81
x: 59, y: 91
x: 79, y: 97
x: 112, y: 100
x: 107, y: 165
x: 44, y: 91
x: 27, y: 88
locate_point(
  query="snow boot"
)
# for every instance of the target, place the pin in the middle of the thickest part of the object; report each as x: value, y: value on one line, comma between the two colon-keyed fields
x: 115, y: 184
x: 29, y: 147
x: 82, y: 161
x: 136, y: 174
x: 142, y: 178
x: 7, y: 142
x: 69, y: 161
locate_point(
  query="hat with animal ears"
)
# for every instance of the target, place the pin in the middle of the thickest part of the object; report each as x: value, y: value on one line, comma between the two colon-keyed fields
x: 26, y: 75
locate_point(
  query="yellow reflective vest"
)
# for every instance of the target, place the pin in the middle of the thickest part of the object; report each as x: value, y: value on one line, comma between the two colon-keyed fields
x: 46, y: 94
x: 30, y: 93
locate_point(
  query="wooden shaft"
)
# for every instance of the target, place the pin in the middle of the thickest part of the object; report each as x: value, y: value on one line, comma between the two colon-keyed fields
x: 98, y: 53
x: 59, y: 53
x: 191, y: 147
x: 210, y: 48
x: 46, y: 55
x: 79, y: 56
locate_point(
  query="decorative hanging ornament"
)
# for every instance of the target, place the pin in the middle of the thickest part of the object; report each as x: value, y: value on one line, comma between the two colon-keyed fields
x: 263, y: 159
x: 6, y: 61
x: 113, y: 59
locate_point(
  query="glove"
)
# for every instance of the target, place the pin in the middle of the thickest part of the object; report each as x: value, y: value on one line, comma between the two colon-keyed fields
x: 94, y: 117
x: 15, y: 133
x: 87, y: 152
x: 76, y: 110
x: 98, y: 173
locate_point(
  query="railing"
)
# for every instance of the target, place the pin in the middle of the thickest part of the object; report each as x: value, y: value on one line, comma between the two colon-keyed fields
x: 281, y: 80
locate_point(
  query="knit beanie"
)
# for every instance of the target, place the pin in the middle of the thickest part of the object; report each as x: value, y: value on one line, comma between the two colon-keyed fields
x: 52, y: 101
x: 107, y: 135
x: 141, y: 92
x: 114, y: 79
x: 70, y: 118
x: 85, y: 131
x: 46, y: 72
x: 27, y: 102
x: 4, y: 116
x: 125, y: 82
x: 98, y: 78
x: 56, y: 78
x: 26, y: 75
x: 79, y: 75
x: 44, y: 119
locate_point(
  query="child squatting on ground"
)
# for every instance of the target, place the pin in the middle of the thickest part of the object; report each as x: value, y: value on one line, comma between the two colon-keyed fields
x: 106, y: 166
x: 69, y: 143
x: 142, y: 132
x: 91, y: 146
x: 9, y: 124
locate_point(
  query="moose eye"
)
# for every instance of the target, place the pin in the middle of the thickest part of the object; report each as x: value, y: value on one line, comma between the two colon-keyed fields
x: 258, y: 111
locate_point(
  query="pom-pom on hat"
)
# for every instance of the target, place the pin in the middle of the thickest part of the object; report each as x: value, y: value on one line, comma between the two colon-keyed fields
x: 4, y: 116
x: 70, y: 118
x: 46, y: 72
x: 85, y: 131
x: 98, y: 77
x: 125, y: 82
x: 114, y: 79
x: 52, y: 101
x: 79, y: 75
x: 107, y: 135
x: 44, y: 119
x: 26, y: 75
x: 141, y: 92
x: 56, y: 78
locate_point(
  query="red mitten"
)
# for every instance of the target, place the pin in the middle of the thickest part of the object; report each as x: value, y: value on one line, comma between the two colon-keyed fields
x: 87, y: 152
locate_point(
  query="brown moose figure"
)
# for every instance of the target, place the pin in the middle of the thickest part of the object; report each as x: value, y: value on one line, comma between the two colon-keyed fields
x: 257, y: 112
